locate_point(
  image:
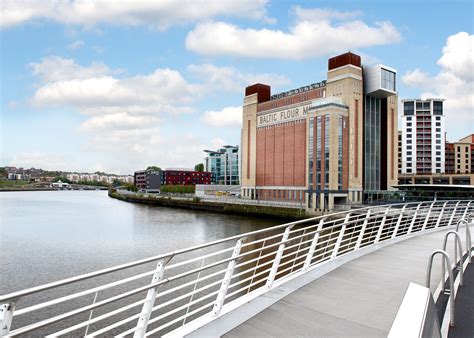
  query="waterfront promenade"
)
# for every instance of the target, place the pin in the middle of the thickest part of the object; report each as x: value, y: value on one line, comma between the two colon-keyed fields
x: 360, y: 298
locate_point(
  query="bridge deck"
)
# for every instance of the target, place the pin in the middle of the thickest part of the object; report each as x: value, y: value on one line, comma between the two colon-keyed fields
x: 360, y: 298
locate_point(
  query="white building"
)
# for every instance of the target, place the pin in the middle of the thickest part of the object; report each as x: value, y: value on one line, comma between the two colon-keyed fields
x: 423, y: 136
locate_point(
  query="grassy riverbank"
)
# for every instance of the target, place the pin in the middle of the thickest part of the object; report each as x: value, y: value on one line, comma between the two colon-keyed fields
x: 229, y: 208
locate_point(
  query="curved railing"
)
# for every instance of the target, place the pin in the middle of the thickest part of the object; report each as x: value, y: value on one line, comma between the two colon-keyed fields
x: 201, y: 283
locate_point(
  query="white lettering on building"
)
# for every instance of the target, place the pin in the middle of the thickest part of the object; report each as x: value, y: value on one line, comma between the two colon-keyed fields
x: 287, y: 115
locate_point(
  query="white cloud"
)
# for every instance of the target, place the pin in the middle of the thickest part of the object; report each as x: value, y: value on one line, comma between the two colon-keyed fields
x: 454, y: 82
x: 228, y: 116
x: 156, y: 14
x: 95, y: 89
x: 78, y: 44
x: 314, y: 34
x: 55, y: 68
x: 231, y: 79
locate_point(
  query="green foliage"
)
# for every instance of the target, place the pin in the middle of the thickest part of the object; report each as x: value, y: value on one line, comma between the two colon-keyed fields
x: 196, y: 199
x: 178, y: 189
x: 3, y: 172
x: 12, y: 184
x: 131, y: 187
x: 199, y: 167
x: 153, y: 167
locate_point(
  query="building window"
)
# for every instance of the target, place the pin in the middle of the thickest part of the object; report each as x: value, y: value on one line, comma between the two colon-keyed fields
x: 318, y: 152
x: 437, y: 107
x: 408, y: 135
x: 326, y: 150
x: 438, y: 118
x: 388, y: 80
x: 408, y: 141
x: 409, y: 159
x: 408, y: 109
x: 438, y: 130
x: 408, y: 147
x: 438, y: 147
x: 408, y: 153
x: 438, y: 135
x: 339, y: 154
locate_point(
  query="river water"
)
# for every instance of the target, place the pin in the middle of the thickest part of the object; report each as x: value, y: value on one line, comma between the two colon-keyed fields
x: 50, y: 235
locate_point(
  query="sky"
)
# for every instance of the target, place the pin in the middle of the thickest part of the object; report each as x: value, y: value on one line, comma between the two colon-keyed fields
x: 116, y: 86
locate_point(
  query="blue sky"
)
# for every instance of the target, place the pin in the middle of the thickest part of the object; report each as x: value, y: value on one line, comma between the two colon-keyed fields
x: 117, y: 86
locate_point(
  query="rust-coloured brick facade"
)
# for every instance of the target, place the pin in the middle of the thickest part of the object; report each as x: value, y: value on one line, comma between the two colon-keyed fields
x: 281, y: 155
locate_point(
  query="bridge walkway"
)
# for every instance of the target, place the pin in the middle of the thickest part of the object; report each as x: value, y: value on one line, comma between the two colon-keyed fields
x: 360, y: 298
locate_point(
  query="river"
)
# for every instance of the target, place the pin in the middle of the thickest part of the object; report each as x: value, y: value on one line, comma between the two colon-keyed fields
x: 50, y: 235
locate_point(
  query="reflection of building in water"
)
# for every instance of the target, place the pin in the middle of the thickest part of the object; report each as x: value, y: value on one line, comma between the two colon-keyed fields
x: 323, y: 144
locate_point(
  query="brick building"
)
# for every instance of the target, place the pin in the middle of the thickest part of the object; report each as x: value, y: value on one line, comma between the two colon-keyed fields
x: 185, y: 177
x: 327, y: 143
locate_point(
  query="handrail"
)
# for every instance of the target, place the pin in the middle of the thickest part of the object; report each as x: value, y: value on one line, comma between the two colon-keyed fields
x: 451, y: 280
x: 468, y: 237
x: 16, y: 295
x: 271, y: 254
x: 457, y: 245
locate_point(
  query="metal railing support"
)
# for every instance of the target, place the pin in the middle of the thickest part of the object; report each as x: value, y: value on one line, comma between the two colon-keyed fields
x: 468, y: 238
x: 465, y: 210
x: 399, y: 222
x: 457, y: 245
x: 454, y: 213
x: 6, y: 316
x: 91, y: 313
x: 340, y: 237
x: 276, y: 262
x: 441, y: 215
x: 314, y: 242
x: 382, y: 224
x: 216, y: 309
x: 451, y: 280
x: 362, y: 231
x: 410, y: 229
x: 149, y: 303
x: 427, y: 217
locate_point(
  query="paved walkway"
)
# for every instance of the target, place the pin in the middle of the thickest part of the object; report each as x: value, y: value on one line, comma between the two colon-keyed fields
x: 360, y: 298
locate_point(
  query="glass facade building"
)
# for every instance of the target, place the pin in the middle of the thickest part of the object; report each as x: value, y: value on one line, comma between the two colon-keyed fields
x: 224, y: 165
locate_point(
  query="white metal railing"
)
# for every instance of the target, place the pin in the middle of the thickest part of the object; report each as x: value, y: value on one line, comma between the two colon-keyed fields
x: 199, y: 281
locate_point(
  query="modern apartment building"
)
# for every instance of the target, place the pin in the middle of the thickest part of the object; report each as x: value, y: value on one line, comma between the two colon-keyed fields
x: 327, y: 143
x: 423, y: 136
x: 224, y: 165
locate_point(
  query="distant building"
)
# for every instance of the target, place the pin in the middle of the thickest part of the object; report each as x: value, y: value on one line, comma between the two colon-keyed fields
x: 458, y: 169
x: 423, y: 136
x: 224, y: 165
x: 18, y: 177
x: 148, y: 180
x: 177, y: 176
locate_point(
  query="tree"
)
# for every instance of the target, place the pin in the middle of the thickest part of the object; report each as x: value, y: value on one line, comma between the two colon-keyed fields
x: 199, y: 167
x: 153, y: 167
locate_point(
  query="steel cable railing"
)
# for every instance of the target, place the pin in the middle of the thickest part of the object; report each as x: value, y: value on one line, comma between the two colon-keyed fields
x: 205, y: 280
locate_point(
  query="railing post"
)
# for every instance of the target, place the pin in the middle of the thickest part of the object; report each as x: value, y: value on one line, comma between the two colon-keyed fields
x: 6, y: 316
x: 216, y: 310
x: 340, y: 237
x: 412, y: 223
x: 465, y: 210
x: 468, y: 238
x: 379, y: 232
x: 451, y: 280
x: 149, y: 303
x: 399, y: 222
x: 454, y: 213
x: 457, y: 243
x: 441, y: 215
x: 276, y: 262
x: 427, y: 218
x: 314, y: 242
x: 362, y: 231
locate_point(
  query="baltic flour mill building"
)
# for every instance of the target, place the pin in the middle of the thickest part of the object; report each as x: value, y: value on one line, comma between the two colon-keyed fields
x: 324, y: 144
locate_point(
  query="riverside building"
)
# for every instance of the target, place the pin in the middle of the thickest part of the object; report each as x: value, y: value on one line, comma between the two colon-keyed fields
x: 327, y: 143
x: 423, y: 137
x: 223, y: 164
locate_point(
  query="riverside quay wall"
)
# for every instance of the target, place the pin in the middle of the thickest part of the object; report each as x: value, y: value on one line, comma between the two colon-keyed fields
x: 253, y: 210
